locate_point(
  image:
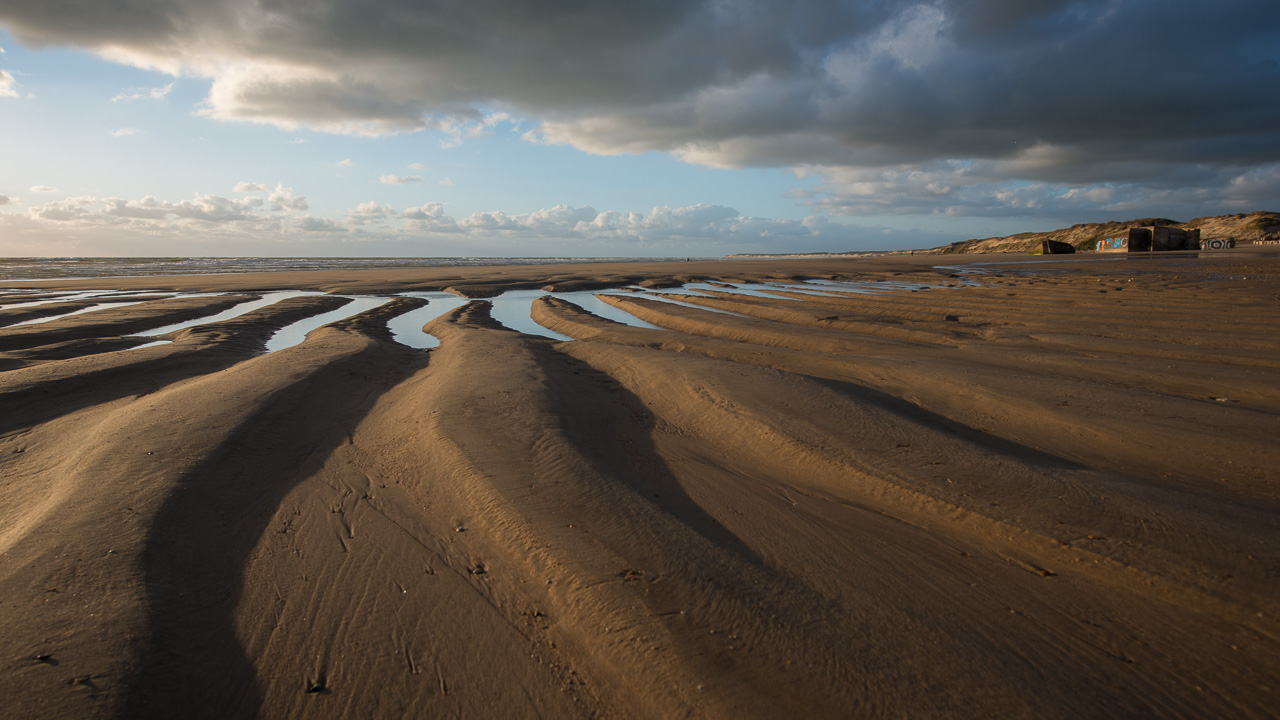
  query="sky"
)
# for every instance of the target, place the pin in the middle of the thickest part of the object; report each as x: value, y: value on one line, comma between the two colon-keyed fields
x: 605, y: 128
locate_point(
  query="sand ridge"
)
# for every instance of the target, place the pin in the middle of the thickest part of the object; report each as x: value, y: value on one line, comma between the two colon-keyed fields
x: 1030, y: 491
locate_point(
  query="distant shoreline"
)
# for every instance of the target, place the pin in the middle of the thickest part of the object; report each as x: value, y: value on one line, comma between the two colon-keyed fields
x: 851, y: 254
x: 74, y: 268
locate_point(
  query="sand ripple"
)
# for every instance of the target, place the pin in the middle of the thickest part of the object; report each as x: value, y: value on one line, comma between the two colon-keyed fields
x: 1040, y: 494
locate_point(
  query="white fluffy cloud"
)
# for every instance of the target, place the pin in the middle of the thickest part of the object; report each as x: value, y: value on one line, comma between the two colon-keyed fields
x: 283, y: 199
x: 64, y: 210
x: 114, y: 211
x: 201, y: 208
x: 699, y: 225
x: 400, y: 179
x: 698, y: 229
x: 43, y: 189
x: 8, y: 86
x: 368, y: 212
x: 157, y: 93
x: 248, y: 187
x: 5, y: 199
x: 318, y: 225
x: 430, y: 217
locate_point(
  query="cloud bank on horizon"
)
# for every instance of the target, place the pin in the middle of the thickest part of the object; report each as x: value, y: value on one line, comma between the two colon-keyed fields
x: 235, y: 224
x: 1045, y: 110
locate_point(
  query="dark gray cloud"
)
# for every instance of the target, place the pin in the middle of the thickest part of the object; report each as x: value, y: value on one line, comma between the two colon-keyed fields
x: 399, y: 64
x: 1069, y: 93
x: 984, y: 189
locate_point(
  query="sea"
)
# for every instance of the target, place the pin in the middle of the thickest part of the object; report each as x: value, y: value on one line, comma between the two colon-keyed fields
x: 68, y: 268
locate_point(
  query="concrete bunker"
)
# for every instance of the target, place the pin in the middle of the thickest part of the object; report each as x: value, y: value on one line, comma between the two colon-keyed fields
x: 1163, y: 237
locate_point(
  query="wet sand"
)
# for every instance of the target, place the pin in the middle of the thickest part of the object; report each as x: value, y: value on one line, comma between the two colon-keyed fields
x: 1048, y: 491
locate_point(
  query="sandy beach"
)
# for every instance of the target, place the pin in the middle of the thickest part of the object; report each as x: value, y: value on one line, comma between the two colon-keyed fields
x: 993, y: 489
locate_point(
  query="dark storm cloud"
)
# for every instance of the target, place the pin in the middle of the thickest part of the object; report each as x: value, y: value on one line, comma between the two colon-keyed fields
x: 396, y: 62
x: 1054, y: 91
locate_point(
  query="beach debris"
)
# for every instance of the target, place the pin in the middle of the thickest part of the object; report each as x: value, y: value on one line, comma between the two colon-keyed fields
x: 952, y: 318
x: 319, y: 685
x: 84, y: 681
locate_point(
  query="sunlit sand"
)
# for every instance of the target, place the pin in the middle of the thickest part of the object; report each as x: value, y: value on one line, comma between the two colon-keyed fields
x: 784, y: 488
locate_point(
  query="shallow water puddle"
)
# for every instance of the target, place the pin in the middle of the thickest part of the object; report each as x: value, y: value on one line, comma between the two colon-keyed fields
x: 290, y: 335
x: 705, y: 290
x: 747, y: 289
x: 72, y: 297
x: 829, y: 287
x: 229, y: 313
x: 817, y: 286
x: 81, y: 311
x: 833, y: 288
x: 407, y: 328
x: 512, y: 309
x: 695, y: 306
x: 813, y: 286
x: 152, y: 344
x: 588, y: 301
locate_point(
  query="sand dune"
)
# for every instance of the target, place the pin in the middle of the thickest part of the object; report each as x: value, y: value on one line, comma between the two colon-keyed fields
x: 1032, y: 491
